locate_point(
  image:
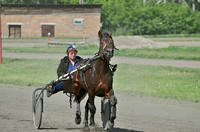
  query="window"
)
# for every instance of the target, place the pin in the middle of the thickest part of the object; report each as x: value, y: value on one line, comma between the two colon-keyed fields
x: 78, y: 21
x: 14, y: 31
x: 48, y: 29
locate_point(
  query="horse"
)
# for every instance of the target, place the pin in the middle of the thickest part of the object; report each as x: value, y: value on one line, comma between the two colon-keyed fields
x: 96, y: 80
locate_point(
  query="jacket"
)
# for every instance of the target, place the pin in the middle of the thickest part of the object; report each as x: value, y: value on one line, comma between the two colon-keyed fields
x: 63, y: 66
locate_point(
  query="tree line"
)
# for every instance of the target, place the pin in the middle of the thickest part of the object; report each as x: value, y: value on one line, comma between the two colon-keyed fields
x: 140, y: 17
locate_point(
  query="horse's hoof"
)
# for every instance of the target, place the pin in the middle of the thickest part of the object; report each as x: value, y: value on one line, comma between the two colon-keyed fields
x: 85, y: 124
x: 92, y: 127
x: 78, y: 119
x: 86, y: 128
x: 109, y: 125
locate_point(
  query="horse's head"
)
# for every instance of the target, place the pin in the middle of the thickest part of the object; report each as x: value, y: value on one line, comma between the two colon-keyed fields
x: 107, y: 46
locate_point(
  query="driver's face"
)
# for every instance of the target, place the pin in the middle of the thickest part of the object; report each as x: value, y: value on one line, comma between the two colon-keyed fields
x: 72, y: 55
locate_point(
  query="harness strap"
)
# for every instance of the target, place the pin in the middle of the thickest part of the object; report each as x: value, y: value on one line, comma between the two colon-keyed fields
x: 113, y: 68
x: 70, y: 100
x: 84, y: 80
x: 108, y: 94
x: 82, y: 74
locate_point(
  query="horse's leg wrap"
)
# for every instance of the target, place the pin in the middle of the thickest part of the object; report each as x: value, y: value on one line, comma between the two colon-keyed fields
x: 108, y: 111
x: 113, y: 102
x: 78, y: 114
x: 85, y: 123
x: 105, y: 112
x: 78, y: 109
x: 92, y: 108
x: 92, y: 113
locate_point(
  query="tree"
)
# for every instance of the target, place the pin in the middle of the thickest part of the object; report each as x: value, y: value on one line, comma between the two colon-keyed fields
x: 29, y: 1
x: 194, y: 4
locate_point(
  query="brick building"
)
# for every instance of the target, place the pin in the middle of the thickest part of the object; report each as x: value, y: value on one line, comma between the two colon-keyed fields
x: 33, y: 21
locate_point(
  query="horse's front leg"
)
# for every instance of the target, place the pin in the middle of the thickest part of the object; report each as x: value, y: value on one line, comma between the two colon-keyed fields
x: 113, y: 102
x: 92, y: 110
x: 78, y: 113
x: 85, y: 123
x: 109, y: 111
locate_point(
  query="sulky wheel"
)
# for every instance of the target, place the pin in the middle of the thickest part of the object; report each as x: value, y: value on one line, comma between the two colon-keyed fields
x: 37, y: 107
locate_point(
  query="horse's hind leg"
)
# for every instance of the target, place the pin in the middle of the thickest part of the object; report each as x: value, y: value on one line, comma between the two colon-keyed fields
x: 85, y: 123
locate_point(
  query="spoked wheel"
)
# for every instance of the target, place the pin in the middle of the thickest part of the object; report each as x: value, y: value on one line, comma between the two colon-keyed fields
x: 37, y: 107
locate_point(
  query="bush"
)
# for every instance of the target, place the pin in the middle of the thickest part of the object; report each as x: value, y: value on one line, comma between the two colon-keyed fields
x: 128, y: 17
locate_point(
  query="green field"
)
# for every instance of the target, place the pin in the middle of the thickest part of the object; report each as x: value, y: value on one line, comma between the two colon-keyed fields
x: 173, y: 36
x: 165, y: 82
x: 83, y: 50
x: 172, y: 52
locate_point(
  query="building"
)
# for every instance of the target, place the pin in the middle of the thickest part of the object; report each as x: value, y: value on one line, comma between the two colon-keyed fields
x: 34, y: 21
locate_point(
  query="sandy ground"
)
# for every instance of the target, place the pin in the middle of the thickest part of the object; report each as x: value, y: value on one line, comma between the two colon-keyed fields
x: 134, y: 113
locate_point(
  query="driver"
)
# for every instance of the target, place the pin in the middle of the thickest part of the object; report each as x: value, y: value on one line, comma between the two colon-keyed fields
x: 67, y: 64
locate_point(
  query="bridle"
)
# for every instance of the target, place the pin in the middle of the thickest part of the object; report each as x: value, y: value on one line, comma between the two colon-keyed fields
x: 107, y: 47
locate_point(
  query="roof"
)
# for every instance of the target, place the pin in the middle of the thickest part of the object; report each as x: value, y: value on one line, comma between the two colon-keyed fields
x: 52, y: 6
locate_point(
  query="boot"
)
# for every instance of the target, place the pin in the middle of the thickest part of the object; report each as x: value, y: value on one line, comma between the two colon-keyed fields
x: 50, y: 88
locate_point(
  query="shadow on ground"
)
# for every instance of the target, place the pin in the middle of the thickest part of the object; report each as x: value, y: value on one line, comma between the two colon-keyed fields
x: 100, y: 129
x: 48, y: 128
x: 122, y: 130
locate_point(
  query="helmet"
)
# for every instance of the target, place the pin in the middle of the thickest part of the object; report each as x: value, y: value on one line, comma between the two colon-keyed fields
x: 71, y: 48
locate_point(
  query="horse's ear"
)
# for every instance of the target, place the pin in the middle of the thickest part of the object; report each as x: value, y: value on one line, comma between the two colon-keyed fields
x: 110, y: 34
x: 100, y: 34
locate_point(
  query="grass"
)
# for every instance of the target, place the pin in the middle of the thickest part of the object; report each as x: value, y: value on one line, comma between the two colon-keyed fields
x: 83, y: 50
x: 183, y: 40
x: 172, y: 35
x: 172, y: 52
x: 27, y: 72
x: 160, y: 81
x: 165, y: 82
x: 46, y: 38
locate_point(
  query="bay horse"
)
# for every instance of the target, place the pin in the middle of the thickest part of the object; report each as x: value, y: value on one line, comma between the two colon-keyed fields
x: 96, y: 80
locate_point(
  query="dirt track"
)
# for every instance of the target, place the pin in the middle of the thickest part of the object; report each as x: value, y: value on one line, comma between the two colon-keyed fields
x: 134, y: 113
